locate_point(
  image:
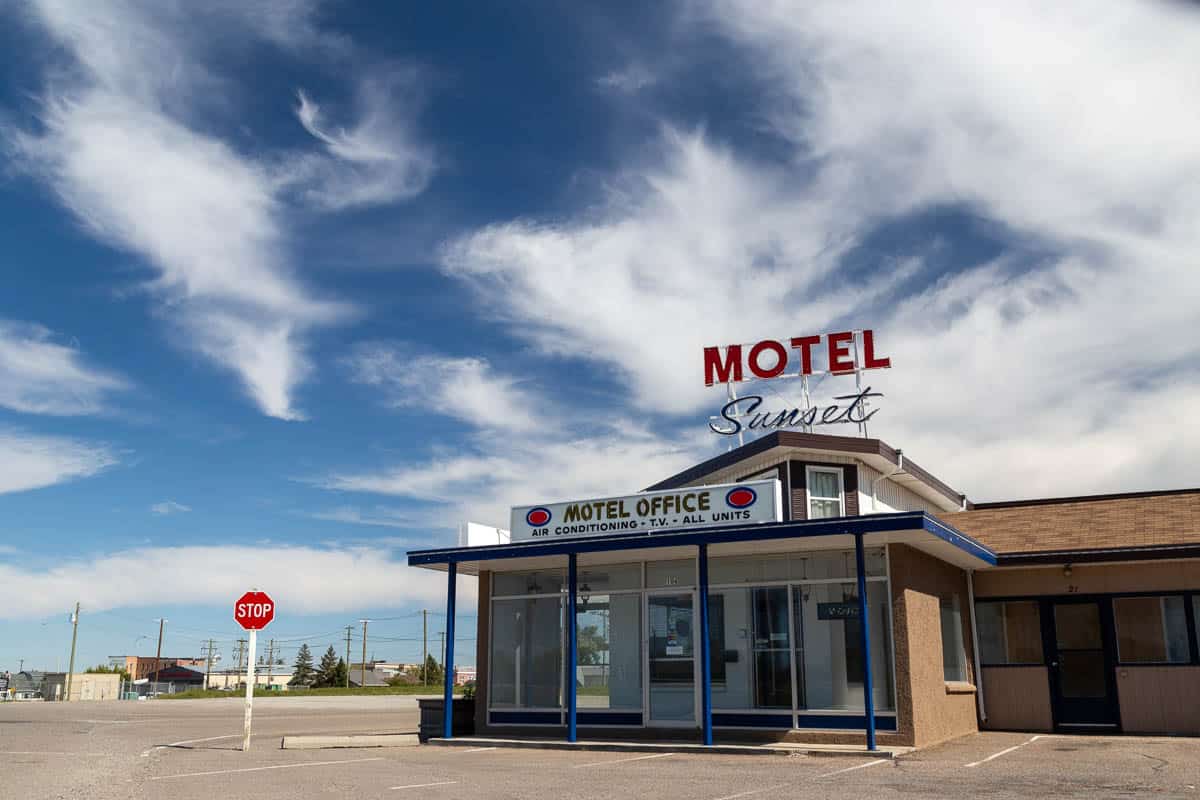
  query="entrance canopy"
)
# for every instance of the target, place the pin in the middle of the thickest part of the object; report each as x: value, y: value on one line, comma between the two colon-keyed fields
x: 915, y: 528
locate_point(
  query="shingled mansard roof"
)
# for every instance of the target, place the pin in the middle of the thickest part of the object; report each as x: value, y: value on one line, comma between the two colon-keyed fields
x: 1167, y: 522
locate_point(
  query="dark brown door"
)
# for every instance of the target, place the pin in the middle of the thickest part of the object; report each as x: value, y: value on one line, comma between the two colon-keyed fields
x: 1082, y: 682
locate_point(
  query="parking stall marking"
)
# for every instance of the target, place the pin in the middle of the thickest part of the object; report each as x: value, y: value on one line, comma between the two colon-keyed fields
x: 622, y: 760
x: 876, y: 762
x: 423, y: 785
x: 262, y: 769
x: 1002, y: 752
x: 480, y: 749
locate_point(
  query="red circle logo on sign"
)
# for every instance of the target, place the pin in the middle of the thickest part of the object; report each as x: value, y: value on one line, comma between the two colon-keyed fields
x: 740, y: 497
x: 254, y: 611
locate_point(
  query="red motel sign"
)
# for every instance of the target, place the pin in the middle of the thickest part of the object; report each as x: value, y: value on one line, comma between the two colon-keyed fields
x: 254, y: 610
x: 770, y: 359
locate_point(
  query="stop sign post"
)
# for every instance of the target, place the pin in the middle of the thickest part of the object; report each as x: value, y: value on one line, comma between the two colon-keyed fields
x: 253, y: 611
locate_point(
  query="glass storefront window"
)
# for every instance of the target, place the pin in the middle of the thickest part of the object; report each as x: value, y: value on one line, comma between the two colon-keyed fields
x: 829, y: 661
x: 1009, y: 632
x: 609, y: 666
x: 954, y: 653
x: 1151, y: 629
x: 610, y: 577
x: 547, y: 581
x: 750, y: 648
x: 527, y: 658
x: 748, y: 569
x: 663, y: 574
x: 817, y: 566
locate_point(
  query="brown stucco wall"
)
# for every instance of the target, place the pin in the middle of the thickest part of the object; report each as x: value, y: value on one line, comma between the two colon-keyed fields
x: 1146, y: 576
x: 930, y: 710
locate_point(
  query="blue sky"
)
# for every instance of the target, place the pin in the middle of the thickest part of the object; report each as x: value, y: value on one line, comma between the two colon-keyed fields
x: 291, y: 287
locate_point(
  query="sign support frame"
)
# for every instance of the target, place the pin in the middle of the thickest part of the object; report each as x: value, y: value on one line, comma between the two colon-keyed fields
x: 249, y: 690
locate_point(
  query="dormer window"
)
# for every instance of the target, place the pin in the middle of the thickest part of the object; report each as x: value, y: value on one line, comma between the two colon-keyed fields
x: 825, y: 497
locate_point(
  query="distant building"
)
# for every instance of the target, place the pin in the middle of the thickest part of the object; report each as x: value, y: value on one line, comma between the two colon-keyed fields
x: 371, y: 677
x: 26, y: 685
x: 463, y: 675
x: 84, y: 686
x: 140, y: 667
x: 179, y: 679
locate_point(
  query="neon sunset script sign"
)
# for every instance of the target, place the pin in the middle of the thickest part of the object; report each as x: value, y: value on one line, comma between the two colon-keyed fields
x: 844, y: 352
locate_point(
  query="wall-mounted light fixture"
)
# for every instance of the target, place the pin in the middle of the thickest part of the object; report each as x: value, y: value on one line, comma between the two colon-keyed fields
x: 1067, y: 571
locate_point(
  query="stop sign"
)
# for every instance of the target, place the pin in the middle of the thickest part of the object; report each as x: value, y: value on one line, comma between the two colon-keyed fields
x: 254, y: 611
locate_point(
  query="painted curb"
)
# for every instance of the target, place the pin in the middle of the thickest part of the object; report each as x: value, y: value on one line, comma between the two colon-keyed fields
x: 355, y: 740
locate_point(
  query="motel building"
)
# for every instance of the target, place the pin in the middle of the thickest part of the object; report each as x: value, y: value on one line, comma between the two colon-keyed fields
x: 829, y: 590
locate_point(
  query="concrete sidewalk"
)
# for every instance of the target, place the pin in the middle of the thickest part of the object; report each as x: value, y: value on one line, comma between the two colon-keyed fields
x: 773, y: 748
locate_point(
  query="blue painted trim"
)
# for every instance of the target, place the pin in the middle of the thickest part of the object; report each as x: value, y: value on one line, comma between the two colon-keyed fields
x: 572, y: 646
x: 448, y: 667
x: 959, y: 539
x: 623, y: 718
x: 706, y: 718
x: 753, y: 720
x: 524, y: 718
x: 864, y: 623
x: 844, y: 722
x: 841, y: 526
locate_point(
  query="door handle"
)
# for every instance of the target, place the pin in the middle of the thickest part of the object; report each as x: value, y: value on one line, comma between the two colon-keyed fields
x: 1054, y: 663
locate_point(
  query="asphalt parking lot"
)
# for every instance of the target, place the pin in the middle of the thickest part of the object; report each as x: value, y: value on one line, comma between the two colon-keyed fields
x: 189, y: 749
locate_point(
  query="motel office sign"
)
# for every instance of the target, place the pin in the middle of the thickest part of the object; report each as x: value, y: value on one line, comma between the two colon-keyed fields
x: 744, y: 503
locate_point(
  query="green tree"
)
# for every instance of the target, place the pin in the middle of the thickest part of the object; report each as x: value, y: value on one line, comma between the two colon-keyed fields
x: 592, y: 645
x: 339, y: 673
x: 327, y: 669
x: 103, y: 669
x: 433, y: 670
x: 303, y: 673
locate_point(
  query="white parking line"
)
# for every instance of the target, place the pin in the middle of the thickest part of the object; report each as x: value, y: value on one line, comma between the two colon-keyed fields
x: 261, y: 769
x: 423, y: 785
x: 856, y: 766
x: 622, y: 760
x: 1002, y: 752
x: 752, y: 792
x: 480, y: 749
x: 191, y: 741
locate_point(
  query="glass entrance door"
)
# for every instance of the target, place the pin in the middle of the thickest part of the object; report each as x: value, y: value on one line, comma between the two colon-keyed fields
x: 1082, y: 666
x: 671, y: 632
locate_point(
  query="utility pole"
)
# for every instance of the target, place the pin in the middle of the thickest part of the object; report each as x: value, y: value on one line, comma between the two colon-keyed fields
x: 362, y: 679
x: 22, y: 667
x: 208, y: 665
x: 241, y: 643
x: 158, y: 654
x: 348, y: 629
x: 270, y: 662
x: 71, y: 665
x: 424, y: 647
x: 442, y: 637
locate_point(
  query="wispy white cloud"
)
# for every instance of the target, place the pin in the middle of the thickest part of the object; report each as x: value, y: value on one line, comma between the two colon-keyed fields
x: 377, y: 516
x: 125, y: 142
x: 465, y: 388
x: 39, y: 375
x: 379, y: 158
x: 1074, y: 134
x: 169, y: 507
x: 33, y: 461
x: 497, y: 472
x: 302, y: 580
x: 629, y: 79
